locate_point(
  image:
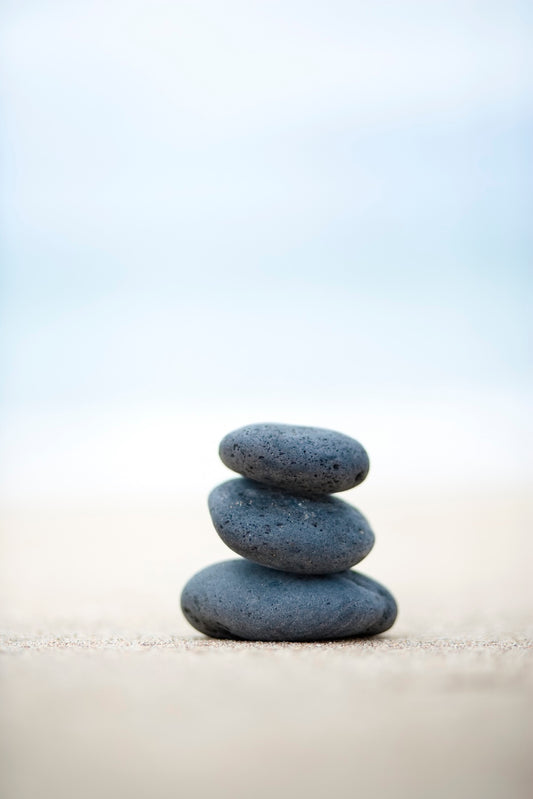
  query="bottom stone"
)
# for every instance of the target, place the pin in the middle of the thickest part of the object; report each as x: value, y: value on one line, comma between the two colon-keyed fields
x: 239, y: 599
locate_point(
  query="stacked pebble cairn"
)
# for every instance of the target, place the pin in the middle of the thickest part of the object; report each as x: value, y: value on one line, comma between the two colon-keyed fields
x: 298, y: 544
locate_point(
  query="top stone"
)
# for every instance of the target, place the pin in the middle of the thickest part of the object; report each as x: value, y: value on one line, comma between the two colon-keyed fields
x: 307, y: 460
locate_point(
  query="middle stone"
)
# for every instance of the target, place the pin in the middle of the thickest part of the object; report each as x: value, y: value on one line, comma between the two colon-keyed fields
x: 304, y: 535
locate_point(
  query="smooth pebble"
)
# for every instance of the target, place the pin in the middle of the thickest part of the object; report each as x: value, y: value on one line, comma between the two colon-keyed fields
x: 305, y: 535
x: 242, y: 600
x: 311, y: 460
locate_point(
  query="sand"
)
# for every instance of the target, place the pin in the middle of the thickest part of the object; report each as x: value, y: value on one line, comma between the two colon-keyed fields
x: 106, y: 691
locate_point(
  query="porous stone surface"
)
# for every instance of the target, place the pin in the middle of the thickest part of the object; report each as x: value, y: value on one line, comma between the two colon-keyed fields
x: 311, y: 460
x: 305, y: 535
x: 242, y: 600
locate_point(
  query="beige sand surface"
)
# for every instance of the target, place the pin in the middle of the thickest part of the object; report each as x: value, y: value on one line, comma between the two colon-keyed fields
x: 106, y: 691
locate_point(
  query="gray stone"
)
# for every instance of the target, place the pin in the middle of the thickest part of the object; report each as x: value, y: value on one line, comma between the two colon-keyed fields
x: 305, y: 535
x: 308, y: 460
x: 242, y: 600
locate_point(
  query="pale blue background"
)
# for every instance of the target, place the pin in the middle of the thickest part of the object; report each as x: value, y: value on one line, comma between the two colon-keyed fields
x: 223, y: 212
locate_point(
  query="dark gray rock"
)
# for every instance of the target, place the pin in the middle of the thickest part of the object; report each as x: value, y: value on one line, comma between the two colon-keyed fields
x: 300, y: 459
x: 239, y: 599
x: 305, y: 535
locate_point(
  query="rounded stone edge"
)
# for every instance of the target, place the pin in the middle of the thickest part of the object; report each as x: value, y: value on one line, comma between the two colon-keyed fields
x: 216, y: 630
x: 248, y: 554
x: 391, y: 605
x: 291, y: 485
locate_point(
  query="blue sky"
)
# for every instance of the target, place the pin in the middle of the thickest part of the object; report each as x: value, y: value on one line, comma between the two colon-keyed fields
x: 221, y: 207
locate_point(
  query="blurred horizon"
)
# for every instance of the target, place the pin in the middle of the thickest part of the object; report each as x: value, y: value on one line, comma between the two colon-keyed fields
x: 216, y: 214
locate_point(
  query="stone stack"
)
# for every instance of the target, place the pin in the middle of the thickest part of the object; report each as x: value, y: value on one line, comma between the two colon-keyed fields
x: 294, y: 581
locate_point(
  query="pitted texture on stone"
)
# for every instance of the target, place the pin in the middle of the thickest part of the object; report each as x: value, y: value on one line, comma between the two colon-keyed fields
x: 305, y: 535
x: 239, y: 599
x: 300, y: 459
